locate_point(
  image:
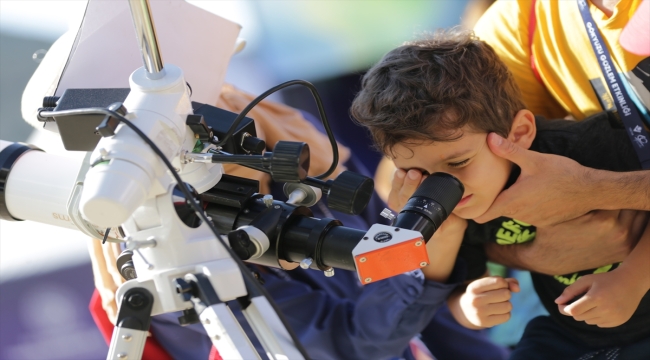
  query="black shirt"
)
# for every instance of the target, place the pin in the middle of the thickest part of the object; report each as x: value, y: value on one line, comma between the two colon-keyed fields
x: 598, y: 142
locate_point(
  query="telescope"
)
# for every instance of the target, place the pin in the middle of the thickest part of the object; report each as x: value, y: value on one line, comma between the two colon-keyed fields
x: 152, y: 179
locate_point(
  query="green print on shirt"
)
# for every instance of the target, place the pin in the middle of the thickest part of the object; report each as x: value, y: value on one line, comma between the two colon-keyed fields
x: 573, y: 278
x: 515, y: 232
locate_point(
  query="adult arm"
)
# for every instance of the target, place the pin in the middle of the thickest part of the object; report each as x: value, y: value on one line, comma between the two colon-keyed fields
x: 552, y: 189
x: 590, y: 241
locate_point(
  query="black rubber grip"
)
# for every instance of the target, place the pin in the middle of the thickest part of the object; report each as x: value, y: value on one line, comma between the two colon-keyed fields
x: 443, y: 188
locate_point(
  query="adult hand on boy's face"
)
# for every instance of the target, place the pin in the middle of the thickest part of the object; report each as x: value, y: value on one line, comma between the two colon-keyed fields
x: 403, y: 187
x: 550, y: 190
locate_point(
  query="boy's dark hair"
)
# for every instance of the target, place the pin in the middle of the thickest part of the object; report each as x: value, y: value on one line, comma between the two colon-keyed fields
x: 428, y: 89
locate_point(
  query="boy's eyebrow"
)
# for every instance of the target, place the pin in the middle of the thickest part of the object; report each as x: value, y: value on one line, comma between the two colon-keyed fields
x: 457, y: 154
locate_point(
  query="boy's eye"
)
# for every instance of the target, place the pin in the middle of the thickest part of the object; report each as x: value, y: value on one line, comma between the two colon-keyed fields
x: 459, y: 164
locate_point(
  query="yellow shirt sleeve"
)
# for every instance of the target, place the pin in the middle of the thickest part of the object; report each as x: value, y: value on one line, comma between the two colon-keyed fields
x: 505, y: 26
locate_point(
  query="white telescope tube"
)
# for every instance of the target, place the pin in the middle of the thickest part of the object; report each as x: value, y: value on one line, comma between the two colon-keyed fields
x: 38, y: 186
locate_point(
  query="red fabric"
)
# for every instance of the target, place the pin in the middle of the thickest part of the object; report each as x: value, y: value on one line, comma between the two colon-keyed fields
x: 214, y: 354
x: 152, y: 349
x: 532, y: 25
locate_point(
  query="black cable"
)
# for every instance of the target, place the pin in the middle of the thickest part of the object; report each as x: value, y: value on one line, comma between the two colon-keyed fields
x: 321, y: 111
x: 108, y: 230
x: 246, y: 272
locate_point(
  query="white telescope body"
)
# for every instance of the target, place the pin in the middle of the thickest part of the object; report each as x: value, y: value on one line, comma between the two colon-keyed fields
x: 126, y: 171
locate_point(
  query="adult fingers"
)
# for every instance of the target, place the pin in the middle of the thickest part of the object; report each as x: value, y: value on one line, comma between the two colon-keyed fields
x: 510, y: 151
x: 499, y: 207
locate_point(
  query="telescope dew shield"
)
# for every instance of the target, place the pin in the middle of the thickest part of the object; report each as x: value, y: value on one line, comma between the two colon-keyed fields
x: 35, y: 185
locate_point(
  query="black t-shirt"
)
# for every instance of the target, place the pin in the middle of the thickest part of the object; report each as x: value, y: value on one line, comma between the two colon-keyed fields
x: 598, y: 142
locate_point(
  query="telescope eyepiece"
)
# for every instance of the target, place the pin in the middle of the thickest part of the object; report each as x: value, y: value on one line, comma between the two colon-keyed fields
x: 431, y: 204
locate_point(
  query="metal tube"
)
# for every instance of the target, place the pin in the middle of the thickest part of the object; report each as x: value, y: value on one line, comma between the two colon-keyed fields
x: 146, y: 34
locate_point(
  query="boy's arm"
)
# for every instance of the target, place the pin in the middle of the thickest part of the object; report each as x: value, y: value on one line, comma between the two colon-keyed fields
x: 443, y: 249
x: 445, y: 242
x: 610, y: 299
x: 483, y: 303
x: 588, y: 242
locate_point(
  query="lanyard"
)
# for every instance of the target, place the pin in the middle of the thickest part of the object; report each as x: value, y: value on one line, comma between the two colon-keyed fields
x: 625, y: 107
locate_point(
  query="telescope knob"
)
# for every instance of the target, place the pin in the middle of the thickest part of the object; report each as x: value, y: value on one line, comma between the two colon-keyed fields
x: 350, y: 193
x: 290, y: 161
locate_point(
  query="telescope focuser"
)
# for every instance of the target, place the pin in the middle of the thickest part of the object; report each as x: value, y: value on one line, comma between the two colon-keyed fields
x: 289, y: 161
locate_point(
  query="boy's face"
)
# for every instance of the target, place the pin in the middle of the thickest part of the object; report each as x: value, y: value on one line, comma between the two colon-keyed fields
x: 469, y: 158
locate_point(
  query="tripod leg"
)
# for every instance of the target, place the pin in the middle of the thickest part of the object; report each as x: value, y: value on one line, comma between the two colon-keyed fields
x: 219, y: 322
x: 226, y: 334
x: 132, y: 326
x: 269, y: 329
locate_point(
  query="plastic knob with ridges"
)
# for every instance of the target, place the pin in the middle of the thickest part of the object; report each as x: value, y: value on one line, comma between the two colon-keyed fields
x: 290, y: 161
x: 350, y: 193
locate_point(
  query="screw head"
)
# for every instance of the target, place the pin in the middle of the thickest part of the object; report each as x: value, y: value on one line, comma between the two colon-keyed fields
x: 329, y: 272
x: 206, y: 321
x: 423, y: 264
x: 217, y: 337
x: 365, y: 238
x: 367, y: 280
x: 363, y: 259
x: 122, y: 356
x: 418, y: 243
x: 127, y: 337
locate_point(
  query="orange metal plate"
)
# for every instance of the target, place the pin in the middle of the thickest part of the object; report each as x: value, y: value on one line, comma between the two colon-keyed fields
x: 390, y: 261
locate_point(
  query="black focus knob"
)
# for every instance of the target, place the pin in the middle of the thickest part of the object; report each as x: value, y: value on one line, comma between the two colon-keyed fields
x: 290, y: 161
x: 350, y: 193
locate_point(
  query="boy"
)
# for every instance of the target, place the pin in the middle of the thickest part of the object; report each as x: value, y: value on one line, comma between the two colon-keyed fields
x: 430, y: 106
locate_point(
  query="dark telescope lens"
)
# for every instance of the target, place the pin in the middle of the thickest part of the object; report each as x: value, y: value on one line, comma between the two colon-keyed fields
x: 431, y: 204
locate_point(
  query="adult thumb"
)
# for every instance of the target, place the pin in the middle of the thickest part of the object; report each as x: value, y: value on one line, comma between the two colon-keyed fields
x: 506, y: 149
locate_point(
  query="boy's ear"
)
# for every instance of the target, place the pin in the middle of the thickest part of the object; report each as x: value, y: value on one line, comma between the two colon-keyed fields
x: 523, y: 129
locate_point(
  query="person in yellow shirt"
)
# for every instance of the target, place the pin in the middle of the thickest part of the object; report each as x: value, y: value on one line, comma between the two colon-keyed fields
x: 546, y: 46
